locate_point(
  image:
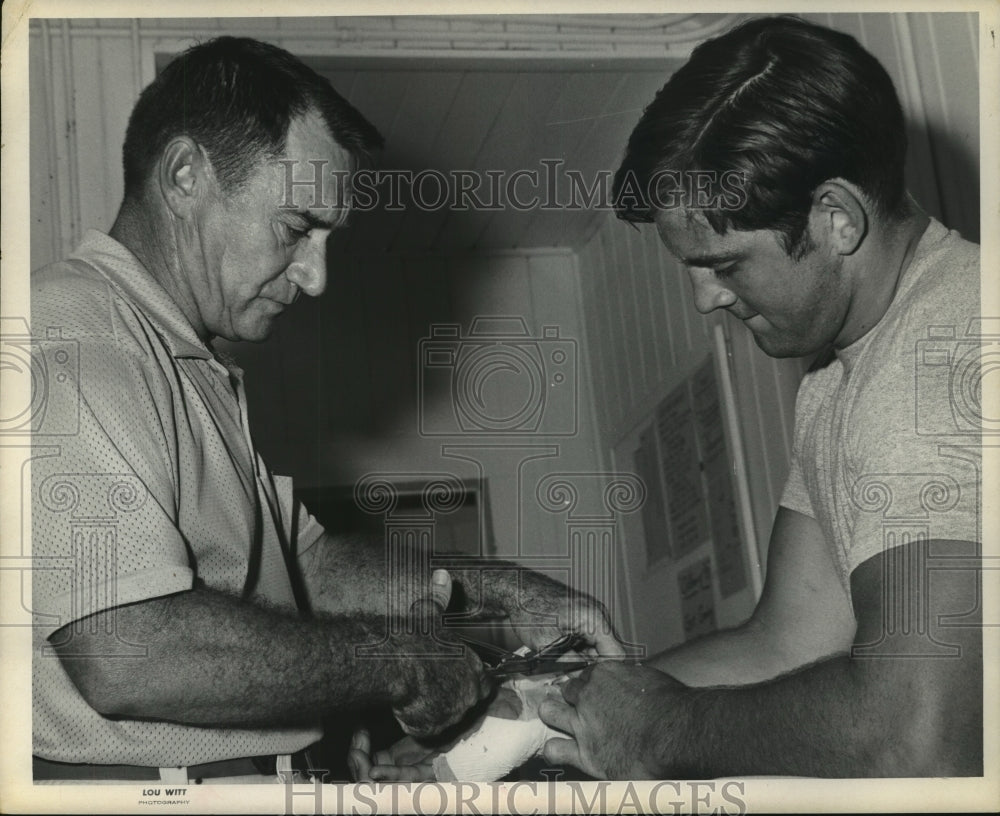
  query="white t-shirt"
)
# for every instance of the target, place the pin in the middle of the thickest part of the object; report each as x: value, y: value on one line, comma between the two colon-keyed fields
x: 887, y: 449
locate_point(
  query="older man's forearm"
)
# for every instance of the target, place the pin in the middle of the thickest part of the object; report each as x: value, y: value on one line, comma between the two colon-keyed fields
x: 351, y: 573
x: 214, y: 660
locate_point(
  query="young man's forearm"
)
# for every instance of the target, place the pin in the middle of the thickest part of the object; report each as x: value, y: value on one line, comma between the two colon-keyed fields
x: 837, y: 718
x: 744, y: 655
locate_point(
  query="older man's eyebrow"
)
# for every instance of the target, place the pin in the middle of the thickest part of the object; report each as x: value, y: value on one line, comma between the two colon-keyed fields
x: 315, y: 222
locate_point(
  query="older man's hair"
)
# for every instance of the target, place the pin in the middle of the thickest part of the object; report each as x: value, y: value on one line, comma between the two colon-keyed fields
x: 783, y: 105
x: 236, y: 97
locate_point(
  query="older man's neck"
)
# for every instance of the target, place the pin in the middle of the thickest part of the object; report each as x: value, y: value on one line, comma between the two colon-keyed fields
x: 149, y: 236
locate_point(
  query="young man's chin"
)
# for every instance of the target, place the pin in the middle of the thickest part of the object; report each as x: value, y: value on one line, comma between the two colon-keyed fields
x: 773, y: 346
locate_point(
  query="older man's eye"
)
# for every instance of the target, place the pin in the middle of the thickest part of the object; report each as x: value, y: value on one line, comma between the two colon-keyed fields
x: 293, y: 235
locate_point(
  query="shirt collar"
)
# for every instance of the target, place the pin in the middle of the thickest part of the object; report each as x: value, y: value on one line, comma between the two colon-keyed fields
x: 124, y: 271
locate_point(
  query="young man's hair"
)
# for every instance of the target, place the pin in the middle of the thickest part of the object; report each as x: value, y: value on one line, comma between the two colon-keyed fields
x: 769, y: 110
x: 236, y: 97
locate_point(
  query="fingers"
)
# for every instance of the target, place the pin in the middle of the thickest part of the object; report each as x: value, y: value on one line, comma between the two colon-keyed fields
x: 562, y: 752
x: 558, y: 715
x: 571, y: 689
x: 606, y: 644
x: 359, y: 764
x: 361, y: 740
x: 358, y: 760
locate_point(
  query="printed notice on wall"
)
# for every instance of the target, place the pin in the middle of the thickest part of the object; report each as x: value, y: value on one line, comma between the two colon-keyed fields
x: 681, y: 469
x: 683, y: 461
x: 694, y: 585
x: 654, y: 516
x: 724, y: 523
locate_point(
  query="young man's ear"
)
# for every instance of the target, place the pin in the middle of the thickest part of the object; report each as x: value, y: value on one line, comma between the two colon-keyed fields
x: 839, y: 210
x: 184, y: 174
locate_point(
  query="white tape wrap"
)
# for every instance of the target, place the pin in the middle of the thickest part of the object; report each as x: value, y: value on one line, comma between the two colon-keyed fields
x: 499, y: 746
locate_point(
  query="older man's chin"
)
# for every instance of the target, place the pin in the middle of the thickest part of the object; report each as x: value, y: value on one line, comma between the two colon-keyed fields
x: 259, y: 327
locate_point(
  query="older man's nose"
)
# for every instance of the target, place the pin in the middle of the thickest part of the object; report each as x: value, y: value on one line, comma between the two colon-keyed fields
x: 308, y: 271
x: 709, y: 292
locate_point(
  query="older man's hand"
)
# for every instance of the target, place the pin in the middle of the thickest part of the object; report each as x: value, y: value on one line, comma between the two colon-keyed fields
x: 439, y: 678
x: 409, y: 759
x: 546, y: 609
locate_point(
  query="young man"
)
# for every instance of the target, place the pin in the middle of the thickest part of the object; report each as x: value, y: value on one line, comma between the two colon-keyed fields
x: 772, y: 167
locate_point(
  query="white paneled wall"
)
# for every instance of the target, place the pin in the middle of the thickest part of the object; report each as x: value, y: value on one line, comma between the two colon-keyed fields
x: 933, y: 60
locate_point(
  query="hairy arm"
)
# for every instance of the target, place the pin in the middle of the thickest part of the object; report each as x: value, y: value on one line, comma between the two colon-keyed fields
x: 907, y: 701
x: 345, y: 574
x: 214, y: 660
x: 803, y: 615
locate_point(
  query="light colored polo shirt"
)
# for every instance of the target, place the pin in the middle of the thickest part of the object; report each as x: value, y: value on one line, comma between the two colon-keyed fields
x: 145, y: 482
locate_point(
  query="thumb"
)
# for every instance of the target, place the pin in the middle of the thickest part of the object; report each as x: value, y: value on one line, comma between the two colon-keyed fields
x: 441, y: 588
x: 435, y: 600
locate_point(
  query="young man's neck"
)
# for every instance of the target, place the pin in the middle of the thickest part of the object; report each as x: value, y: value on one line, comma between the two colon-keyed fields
x: 883, y: 260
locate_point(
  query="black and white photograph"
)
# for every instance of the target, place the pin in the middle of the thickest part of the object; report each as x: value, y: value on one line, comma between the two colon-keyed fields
x: 522, y: 408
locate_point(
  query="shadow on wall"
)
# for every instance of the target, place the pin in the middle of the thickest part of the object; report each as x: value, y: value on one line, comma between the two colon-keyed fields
x: 950, y: 168
x: 347, y: 364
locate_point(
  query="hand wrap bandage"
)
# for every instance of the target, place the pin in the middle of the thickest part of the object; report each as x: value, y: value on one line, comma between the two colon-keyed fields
x: 500, y: 745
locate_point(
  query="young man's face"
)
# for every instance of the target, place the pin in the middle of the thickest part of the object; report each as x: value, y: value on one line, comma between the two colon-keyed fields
x: 256, y: 253
x: 792, y: 307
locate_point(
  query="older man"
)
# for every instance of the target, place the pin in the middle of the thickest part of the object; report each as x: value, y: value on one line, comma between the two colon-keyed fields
x: 194, y: 615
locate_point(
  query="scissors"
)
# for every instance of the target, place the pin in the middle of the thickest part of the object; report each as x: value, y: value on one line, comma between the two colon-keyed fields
x: 546, y: 660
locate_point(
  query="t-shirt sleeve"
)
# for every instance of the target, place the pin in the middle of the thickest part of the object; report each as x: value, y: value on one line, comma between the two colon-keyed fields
x: 915, y: 462
x: 909, y: 486
x: 795, y: 496
x: 103, y: 507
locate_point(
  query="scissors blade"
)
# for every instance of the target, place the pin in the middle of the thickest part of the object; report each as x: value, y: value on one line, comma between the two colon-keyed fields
x: 523, y: 667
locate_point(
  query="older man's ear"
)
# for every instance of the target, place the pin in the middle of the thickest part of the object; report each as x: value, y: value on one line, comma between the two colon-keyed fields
x: 184, y: 175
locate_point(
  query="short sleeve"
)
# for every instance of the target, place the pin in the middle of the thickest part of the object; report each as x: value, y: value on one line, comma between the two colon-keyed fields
x: 302, y: 530
x: 104, y: 529
x: 795, y: 496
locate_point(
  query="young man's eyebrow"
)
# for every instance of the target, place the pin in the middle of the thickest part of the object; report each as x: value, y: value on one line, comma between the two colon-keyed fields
x: 706, y: 261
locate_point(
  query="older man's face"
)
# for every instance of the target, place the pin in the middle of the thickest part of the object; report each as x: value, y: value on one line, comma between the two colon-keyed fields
x: 259, y: 247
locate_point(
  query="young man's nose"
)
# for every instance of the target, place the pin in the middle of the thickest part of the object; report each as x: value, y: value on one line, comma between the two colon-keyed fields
x: 308, y: 270
x: 709, y: 293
